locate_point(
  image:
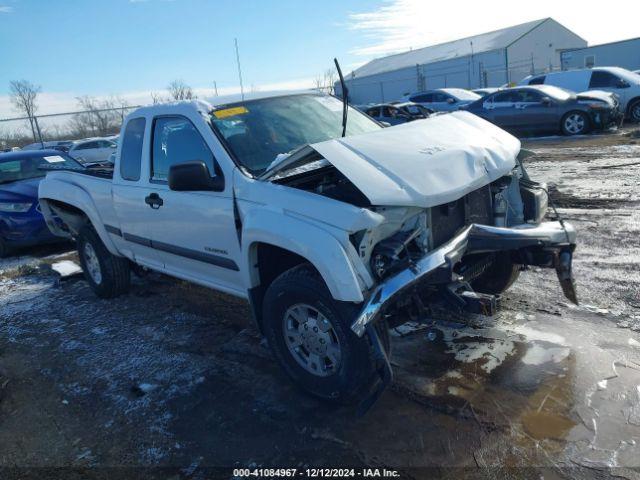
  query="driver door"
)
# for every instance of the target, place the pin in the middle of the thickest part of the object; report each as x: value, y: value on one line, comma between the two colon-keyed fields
x: 193, y: 233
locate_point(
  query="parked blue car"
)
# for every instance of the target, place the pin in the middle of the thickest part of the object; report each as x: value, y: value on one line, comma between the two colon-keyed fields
x: 21, y: 223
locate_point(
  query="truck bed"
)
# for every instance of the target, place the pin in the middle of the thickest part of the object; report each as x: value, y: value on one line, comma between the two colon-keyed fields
x: 93, y: 172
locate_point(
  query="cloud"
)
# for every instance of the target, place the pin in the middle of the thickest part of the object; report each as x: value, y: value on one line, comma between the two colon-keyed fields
x: 395, y: 26
x: 6, y: 9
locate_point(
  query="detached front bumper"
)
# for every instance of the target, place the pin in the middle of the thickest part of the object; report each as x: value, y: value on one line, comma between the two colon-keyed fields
x: 548, y: 244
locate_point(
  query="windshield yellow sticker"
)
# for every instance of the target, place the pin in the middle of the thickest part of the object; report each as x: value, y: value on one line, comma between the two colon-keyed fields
x: 230, y: 112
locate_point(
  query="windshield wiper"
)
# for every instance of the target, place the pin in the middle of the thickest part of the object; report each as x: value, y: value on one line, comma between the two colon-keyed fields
x: 345, y: 98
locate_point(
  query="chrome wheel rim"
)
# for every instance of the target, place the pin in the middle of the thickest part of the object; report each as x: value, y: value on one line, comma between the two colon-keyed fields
x: 574, y: 123
x: 92, y: 263
x: 311, y: 340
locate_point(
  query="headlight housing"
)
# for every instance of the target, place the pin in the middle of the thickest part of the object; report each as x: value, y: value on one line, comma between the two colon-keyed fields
x: 15, y: 207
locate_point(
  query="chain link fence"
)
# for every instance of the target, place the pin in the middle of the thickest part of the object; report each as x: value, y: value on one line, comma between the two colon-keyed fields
x: 17, y: 132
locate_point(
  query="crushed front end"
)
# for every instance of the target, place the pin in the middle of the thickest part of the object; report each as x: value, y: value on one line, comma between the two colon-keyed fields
x: 439, y: 254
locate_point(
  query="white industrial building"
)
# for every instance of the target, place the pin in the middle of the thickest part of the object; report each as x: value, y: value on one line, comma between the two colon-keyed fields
x: 487, y: 60
x: 624, y: 53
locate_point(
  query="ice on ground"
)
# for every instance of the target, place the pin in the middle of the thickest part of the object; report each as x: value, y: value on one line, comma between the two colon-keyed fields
x: 539, y: 355
x: 532, y: 335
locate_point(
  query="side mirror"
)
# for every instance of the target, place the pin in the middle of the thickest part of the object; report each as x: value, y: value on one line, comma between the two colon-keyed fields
x: 451, y: 100
x: 385, y: 124
x: 623, y: 84
x: 194, y: 177
x: 546, y: 101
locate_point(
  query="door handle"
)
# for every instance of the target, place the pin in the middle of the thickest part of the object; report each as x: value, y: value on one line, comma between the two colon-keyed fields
x: 154, y: 201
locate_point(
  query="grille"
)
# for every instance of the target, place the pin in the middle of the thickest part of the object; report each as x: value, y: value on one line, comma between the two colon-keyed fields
x: 448, y: 219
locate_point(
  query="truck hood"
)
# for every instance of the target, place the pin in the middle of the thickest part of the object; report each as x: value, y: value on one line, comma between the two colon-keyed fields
x: 422, y: 163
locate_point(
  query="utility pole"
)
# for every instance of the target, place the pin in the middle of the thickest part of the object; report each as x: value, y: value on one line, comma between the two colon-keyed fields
x: 239, y: 70
x: 35, y: 119
x: 215, y: 88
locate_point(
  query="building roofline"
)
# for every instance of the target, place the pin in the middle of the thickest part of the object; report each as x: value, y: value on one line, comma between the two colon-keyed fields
x: 540, y: 22
x: 599, y: 45
x: 470, y: 37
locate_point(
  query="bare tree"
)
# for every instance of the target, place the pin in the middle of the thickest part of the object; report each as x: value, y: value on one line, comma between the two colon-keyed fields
x: 157, y: 98
x: 180, y: 90
x: 99, y: 117
x: 326, y: 81
x: 23, y: 95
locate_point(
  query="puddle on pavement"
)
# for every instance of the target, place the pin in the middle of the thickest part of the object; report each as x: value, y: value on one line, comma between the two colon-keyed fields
x: 524, y: 383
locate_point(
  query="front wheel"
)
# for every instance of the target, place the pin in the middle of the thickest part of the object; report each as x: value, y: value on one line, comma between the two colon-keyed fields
x: 108, y: 275
x: 310, y: 336
x: 575, y: 123
x: 634, y: 111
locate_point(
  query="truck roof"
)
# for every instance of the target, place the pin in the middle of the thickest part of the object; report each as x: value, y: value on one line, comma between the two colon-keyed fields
x: 205, y: 105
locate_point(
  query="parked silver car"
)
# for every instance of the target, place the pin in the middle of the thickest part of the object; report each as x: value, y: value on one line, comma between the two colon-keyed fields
x: 443, y: 99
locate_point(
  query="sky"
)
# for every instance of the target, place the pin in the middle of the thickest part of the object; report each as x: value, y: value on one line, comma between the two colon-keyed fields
x: 130, y: 48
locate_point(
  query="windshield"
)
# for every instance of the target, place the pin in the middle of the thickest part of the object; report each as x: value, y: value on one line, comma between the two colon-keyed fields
x: 257, y: 131
x: 462, y: 94
x: 22, y: 168
x: 555, y: 92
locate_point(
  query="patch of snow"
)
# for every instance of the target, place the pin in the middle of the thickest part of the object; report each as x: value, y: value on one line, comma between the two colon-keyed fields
x: 634, y: 343
x: 66, y: 268
x: 602, y: 384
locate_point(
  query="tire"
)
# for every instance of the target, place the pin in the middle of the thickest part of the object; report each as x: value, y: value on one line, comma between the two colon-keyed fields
x: 634, y: 111
x: 498, y: 277
x: 107, y: 275
x: 300, y: 293
x: 575, y: 123
x: 4, y: 249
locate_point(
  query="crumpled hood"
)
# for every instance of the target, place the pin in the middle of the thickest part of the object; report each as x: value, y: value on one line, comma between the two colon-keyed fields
x: 426, y: 162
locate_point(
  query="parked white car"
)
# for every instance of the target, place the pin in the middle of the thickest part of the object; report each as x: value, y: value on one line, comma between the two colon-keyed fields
x: 92, y: 150
x: 624, y: 83
x: 443, y: 99
x: 328, y: 238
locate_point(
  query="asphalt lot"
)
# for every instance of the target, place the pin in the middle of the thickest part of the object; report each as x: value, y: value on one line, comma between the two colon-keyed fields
x: 175, y: 376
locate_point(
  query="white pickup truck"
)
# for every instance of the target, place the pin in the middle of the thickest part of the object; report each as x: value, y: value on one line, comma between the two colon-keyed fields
x: 331, y: 238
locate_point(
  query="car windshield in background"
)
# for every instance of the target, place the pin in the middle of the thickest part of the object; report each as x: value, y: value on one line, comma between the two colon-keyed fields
x: 555, y: 92
x: 22, y: 168
x: 257, y: 131
x: 462, y: 94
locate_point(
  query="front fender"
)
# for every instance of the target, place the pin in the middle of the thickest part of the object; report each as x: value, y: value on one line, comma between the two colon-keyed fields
x: 319, y: 247
x: 64, y: 192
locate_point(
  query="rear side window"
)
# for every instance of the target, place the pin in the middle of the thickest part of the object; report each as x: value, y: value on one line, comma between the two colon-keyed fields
x: 423, y: 98
x: 603, y: 79
x: 131, y: 154
x: 537, y: 80
x: 176, y: 140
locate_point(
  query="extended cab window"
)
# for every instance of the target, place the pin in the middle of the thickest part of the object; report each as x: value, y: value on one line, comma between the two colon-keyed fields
x: 131, y: 154
x: 176, y: 140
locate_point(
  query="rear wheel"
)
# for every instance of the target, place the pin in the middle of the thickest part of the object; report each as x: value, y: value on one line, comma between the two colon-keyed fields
x: 498, y: 276
x: 575, y: 123
x: 634, y: 111
x: 108, y: 275
x: 310, y: 335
